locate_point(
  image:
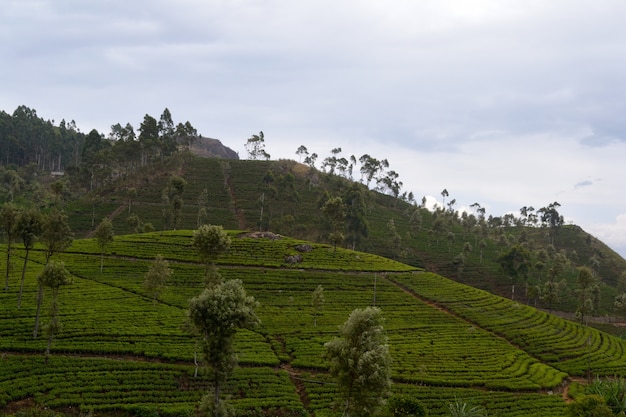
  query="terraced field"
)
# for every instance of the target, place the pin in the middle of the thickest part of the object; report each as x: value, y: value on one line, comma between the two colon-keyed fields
x: 120, y: 351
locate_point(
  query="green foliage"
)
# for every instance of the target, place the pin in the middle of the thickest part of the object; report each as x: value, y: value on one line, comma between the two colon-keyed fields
x: 157, y: 276
x: 460, y: 408
x: 215, y: 316
x: 360, y: 362
x: 405, y: 406
x: 589, y: 406
x: 210, y: 241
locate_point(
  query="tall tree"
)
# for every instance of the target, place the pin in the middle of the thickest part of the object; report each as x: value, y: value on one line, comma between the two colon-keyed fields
x: 587, y: 286
x: 157, y: 276
x: 104, y: 236
x: 210, y: 241
x: 215, y: 316
x: 360, y: 362
x: 335, y: 211
x: 317, y: 301
x: 357, y: 227
x: 29, y: 228
x: 148, y: 138
x: 172, y: 196
x: 56, y: 236
x: 9, y: 215
x: 515, y: 263
x: 53, y: 276
x: 256, y: 147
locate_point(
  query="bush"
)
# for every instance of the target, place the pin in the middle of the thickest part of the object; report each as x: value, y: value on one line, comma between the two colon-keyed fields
x: 589, y: 406
x: 405, y: 406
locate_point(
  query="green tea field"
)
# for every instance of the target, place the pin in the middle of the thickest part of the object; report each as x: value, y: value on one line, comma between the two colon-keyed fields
x: 121, y: 353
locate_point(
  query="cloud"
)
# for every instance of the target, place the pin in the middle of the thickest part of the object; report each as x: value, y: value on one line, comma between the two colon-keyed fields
x: 582, y: 184
x: 613, y: 234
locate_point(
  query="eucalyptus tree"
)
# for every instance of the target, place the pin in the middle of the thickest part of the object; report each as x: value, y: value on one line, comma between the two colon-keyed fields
x: 360, y: 362
x: 215, y: 316
x: 104, y: 236
x: 444, y: 194
x: 53, y: 276
x: 29, y: 227
x: 255, y: 146
x: 9, y: 215
x: 148, y: 138
x: 302, y: 150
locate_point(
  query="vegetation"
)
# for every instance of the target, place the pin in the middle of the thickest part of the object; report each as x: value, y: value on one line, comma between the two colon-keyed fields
x: 125, y: 348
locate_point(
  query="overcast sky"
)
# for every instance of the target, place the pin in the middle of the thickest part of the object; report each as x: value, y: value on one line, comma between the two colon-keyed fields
x: 504, y: 103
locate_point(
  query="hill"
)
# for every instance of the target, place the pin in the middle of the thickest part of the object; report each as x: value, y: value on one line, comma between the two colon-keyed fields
x: 119, y: 352
x: 286, y: 197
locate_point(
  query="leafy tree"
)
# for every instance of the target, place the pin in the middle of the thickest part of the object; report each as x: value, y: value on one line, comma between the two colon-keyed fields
x: 515, y: 263
x: 357, y: 227
x: 210, y: 241
x: 360, y: 362
x: 9, y: 215
x: 157, y: 276
x: 56, y: 236
x: 53, y: 276
x: 335, y: 211
x: 215, y: 316
x: 29, y: 227
x: 587, y: 286
x: 444, y: 194
x: 148, y: 138
x: 256, y: 147
x: 302, y: 150
x: 317, y: 301
x: 104, y: 236
x: 173, y: 200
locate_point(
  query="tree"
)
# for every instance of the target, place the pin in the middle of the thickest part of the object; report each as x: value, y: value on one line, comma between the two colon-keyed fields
x: 104, y: 236
x: 215, y: 316
x: 53, y: 276
x: 515, y: 263
x: 256, y: 147
x: 360, y: 362
x: 210, y: 241
x: 587, y: 286
x: 173, y: 200
x: 56, y: 236
x: 9, y: 215
x: 157, y: 276
x: 29, y: 228
x: 335, y: 211
x: 317, y: 301
x: 357, y: 227
x: 302, y: 150
x: 444, y: 194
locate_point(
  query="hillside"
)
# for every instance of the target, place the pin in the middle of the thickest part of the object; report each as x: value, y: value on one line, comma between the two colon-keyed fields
x: 120, y: 352
x: 285, y: 197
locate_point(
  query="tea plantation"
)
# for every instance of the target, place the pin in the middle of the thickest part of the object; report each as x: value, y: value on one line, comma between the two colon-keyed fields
x: 121, y: 353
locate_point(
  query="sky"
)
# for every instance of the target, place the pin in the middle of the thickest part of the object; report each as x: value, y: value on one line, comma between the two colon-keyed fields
x: 508, y: 103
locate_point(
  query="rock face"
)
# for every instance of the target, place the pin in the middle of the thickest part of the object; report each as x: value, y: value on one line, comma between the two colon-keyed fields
x: 211, y: 148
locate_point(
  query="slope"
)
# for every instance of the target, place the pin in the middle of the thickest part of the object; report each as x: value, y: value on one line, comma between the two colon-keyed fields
x: 121, y: 352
